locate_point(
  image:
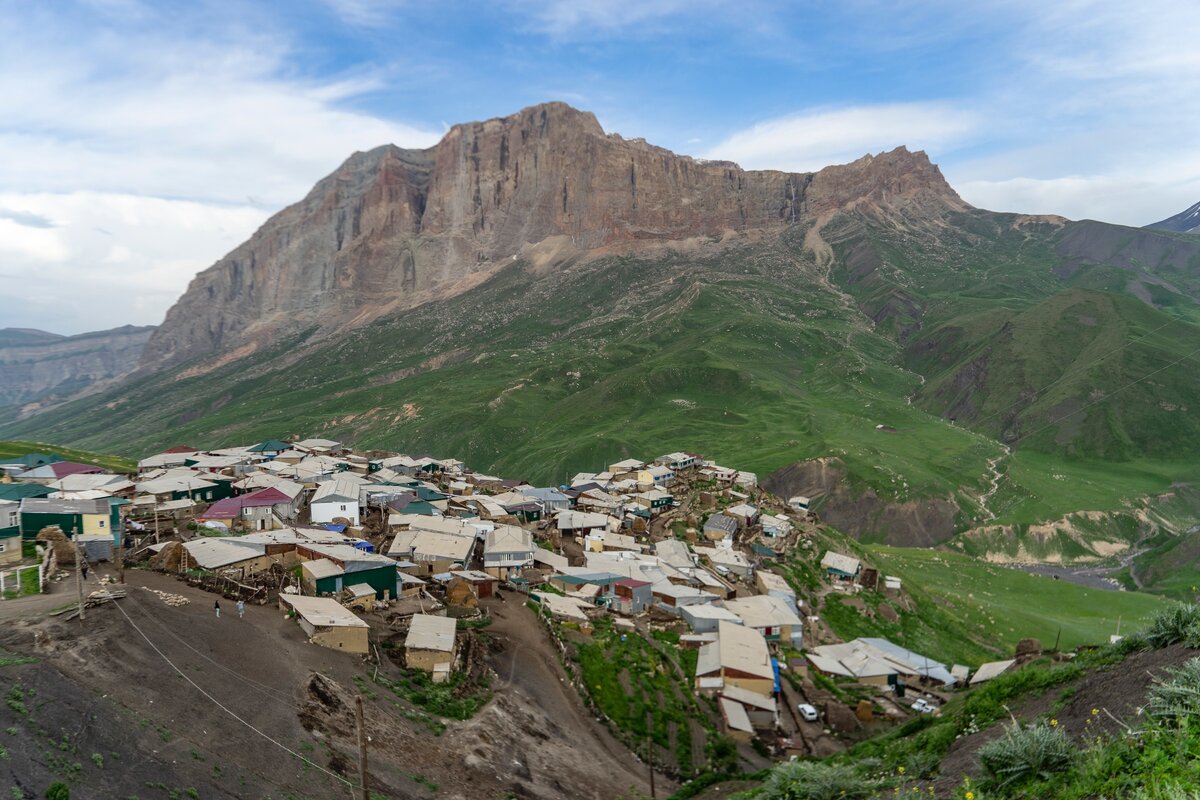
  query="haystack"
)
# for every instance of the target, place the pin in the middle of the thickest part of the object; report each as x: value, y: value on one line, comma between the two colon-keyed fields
x: 64, y: 550
x: 169, y: 558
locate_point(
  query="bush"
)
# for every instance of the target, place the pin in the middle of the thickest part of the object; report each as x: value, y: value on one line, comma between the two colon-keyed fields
x: 1177, y: 696
x: 816, y: 780
x: 58, y: 791
x: 1179, y: 622
x: 1025, y: 753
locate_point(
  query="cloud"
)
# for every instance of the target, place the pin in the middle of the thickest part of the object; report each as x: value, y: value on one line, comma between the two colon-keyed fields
x: 112, y: 259
x: 26, y: 218
x: 809, y: 140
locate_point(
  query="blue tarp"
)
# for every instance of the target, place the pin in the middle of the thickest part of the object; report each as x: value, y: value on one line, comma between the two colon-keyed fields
x: 775, y: 669
x: 335, y: 528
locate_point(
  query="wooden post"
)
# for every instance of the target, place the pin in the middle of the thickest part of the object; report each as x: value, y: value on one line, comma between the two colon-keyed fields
x: 121, y: 559
x: 362, y: 747
x: 79, y: 576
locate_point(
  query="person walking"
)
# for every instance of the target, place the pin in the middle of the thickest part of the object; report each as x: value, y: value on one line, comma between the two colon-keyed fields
x: 83, y: 566
x: 241, y: 607
x: 217, y: 608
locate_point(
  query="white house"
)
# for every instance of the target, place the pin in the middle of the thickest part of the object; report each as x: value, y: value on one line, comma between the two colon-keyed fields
x: 336, y: 498
x: 506, y: 550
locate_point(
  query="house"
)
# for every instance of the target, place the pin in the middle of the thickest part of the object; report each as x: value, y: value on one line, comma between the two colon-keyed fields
x: 233, y: 555
x: 507, y: 549
x: 992, y: 669
x: 719, y: 526
x: 840, y: 566
x: 760, y: 709
x: 738, y: 658
x: 655, y: 500
x: 800, y: 503
x: 679, y: 461
x: 334, y: 499
x: 320, y: 446
x: 255, y: 511
x: 744, y: 513
x: 48, y: 473
x: 657, y: 475
x: 429, y: 646
x: 773, y: 585
x: 625, y: 467
x: 878, y: 662
x: 328, y: 623
x: 109, y: 485
x: 735, y: 722
x: 728, y: 561
x: 747, y: 480
x: 269, y: 448
x: 431, y: 551
x: 776, y: 526
x: 345, y: 565
x: 707, y: 617
x: 552, y: 500
x: 184, y: 485
x: 482, y: 584
x: 10, y: 532
x: 580, y: 523
x: 672, y: 598
x: 73, y: 516
x: 674, y: 553
x: 775, y: 619
x: 631, y: 596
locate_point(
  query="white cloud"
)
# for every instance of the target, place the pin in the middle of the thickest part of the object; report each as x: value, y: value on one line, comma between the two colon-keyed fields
x: 178, y: 145
x: 111, y: 259
x: 812, y: 139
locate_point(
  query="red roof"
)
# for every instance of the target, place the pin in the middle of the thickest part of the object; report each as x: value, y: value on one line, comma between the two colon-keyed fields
x: 229, y: 508
x: 62, y: 469
x: 264, y: 497
x: 632, y: 583
x: 181, y: 448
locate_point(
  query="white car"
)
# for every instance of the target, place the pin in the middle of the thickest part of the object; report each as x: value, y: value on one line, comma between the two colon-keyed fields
x: 808, y: 712
x: 923, y: 707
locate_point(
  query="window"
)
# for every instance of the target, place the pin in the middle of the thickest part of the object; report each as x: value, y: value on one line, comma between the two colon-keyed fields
x: 343, y: 508
x: 3, y: 546
x: 101, y: 523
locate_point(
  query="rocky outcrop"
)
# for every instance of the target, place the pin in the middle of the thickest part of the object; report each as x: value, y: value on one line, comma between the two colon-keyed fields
x: 392, y: 228
x: 864, y: 514
x: 38, y: 366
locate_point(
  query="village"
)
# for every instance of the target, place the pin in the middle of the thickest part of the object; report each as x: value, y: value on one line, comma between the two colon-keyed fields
x: 682, y: 557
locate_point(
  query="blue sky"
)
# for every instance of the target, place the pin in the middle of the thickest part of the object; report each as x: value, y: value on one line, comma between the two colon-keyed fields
x: 140, y: 141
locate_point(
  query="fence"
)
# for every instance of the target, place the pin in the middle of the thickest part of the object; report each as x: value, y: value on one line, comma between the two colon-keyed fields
x: 21, y: 581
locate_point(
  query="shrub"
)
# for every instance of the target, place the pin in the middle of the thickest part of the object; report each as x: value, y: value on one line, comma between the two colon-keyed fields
x: 1179, y: 622
x: 1021, y: 754
x: 1178, y: 695
x: 816, y: 780
x: 58, y: 791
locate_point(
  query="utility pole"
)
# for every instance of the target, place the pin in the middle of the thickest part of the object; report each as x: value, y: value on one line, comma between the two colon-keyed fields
x: 121, y: 558
x: 79, y: 575
x: 362, y: 747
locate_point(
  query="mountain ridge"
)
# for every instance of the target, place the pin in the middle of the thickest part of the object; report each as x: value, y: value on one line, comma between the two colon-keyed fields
x: 391, y: 228
x: 1186, y: 221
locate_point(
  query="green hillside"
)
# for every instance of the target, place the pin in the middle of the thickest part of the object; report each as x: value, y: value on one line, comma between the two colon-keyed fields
x: 10, y: 449
x: 999, y: 328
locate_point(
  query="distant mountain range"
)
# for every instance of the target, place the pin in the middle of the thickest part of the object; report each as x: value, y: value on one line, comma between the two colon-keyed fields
x: 40, y: 369
x: 537, y: 297
x: 1184, y: 222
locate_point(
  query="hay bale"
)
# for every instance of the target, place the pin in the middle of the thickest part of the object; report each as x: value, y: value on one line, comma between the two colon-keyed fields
x: 169, y: 559
x: 64, y: 549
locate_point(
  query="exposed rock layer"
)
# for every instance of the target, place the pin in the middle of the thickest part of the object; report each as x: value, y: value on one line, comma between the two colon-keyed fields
x: 36, y: 364
x: 392, y: 228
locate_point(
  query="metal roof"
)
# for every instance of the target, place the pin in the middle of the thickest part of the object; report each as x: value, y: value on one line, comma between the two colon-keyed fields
x: 431, y: 633
x: 323, y: 612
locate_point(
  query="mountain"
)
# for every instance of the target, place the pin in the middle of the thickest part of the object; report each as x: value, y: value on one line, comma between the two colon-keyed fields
x: 1184, y: 222
x: 537, y: 296
x: 42, y: 369
x: 393, y: 228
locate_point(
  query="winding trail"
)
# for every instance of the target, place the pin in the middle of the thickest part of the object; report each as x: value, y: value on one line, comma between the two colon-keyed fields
x: 993, y: 468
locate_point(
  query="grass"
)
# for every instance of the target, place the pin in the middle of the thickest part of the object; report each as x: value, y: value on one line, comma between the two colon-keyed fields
x: 113, y: 463
x: 969, y: 611
x: 452, y: 699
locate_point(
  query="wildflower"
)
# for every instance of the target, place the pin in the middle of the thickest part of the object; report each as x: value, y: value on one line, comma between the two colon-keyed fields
x: 969, y: 796
x: 900, y: 770
x: 1095, y: 712
x: 1053, y: 723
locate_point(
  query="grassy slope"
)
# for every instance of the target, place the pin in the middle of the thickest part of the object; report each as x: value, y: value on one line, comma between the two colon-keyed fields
x: 115, y: 463
x: 1005, y: 605
x: 753, y: 356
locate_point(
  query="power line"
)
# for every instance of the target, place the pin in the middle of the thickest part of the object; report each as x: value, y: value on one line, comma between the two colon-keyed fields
x: 262, y: 688
x: 224, y: 708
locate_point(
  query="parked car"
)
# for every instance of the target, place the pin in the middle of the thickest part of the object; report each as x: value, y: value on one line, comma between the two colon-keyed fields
x: 808, y: 712
x: 923, y: 707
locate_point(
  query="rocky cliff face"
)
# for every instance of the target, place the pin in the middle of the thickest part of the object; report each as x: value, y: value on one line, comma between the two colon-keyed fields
x: 36, y: 366
x: 392, y: 228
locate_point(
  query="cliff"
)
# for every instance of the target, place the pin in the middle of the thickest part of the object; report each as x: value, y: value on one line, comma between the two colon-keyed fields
x: 38, y: 366
x: 391, y: 228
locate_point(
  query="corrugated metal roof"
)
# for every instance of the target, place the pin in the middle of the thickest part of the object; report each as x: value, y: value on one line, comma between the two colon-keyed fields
x: 431, y: 633
x: 323, y: 612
